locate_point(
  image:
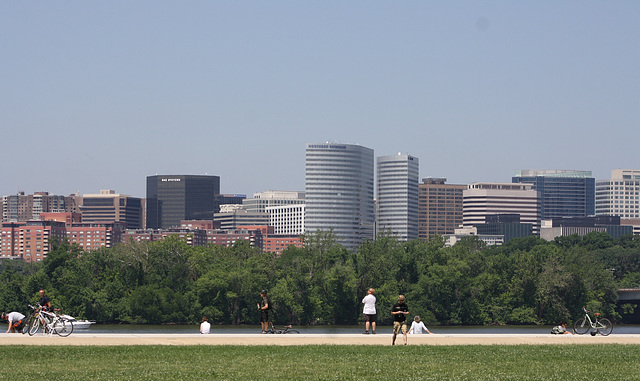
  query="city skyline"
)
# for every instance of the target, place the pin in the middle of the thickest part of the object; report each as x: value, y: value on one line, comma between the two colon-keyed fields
x: 101, y: 95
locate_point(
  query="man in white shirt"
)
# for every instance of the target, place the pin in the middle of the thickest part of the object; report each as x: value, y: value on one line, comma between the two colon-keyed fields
x: 15, y: 319
x: 205, y: 326
x: 369, y: 312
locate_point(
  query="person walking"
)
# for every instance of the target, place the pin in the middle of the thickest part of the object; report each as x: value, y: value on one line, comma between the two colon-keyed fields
x: 399, y: 310
x: 264, y: 306
x: 369, y: 311
x: 418, y: 327
x: 205, y: 326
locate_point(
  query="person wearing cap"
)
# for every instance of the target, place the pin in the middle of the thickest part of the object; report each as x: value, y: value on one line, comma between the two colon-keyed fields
x: 15, y: 319
x: 369, y: 312
x: 399, y: 310
x: 264, y: 306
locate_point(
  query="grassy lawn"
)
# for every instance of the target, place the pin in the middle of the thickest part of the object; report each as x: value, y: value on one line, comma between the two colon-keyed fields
x: 326, y: 362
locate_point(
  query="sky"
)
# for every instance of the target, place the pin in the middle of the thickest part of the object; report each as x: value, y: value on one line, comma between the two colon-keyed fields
x: 101, y: 94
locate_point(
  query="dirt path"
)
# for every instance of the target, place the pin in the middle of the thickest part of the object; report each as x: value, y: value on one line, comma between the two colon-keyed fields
x: 86, y: 339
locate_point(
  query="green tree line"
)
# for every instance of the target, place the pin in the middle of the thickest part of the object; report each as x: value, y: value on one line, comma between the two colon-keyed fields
x: 526, y: 281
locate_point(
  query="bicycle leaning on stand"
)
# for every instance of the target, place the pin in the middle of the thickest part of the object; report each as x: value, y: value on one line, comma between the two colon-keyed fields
x: 49, y: 322
x: 601, y: 325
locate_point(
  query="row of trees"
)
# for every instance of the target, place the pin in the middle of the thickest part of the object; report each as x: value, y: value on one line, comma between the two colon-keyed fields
x: 527, y: 281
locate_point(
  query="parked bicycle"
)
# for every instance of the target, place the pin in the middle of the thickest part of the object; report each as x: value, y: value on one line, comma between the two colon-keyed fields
x: 286, y: 329
x: 600, y: 325
x: 49, y: 322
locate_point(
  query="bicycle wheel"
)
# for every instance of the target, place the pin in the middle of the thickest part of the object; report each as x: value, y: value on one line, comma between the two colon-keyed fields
x: 291, y: 331
x: 27, y: 324
x: 34, y: 327
x: 581, y: 326
x: 63, y: 328
x: 604, y: 327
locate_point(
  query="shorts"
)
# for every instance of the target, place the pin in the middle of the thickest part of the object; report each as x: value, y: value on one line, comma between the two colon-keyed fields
x: 264, y: 316
x: 369, y: 318
x: 399, y: 325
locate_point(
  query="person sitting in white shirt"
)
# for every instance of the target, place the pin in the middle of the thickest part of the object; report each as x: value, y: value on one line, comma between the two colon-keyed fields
x: 418, y: 327
x: 205, y: 326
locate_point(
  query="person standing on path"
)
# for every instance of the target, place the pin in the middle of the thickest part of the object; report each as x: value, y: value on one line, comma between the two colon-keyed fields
x: 369, y: 312
x: 264, y: 306
x: 399, y: 310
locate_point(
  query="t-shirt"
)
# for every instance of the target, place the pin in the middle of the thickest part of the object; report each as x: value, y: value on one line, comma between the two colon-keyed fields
x: 399, y: 307
x: 15, y: 317
x: 205, y: 327
x: 369, y: 302
x: 558, y: 330
x: 417, y: 327
x: 266, y: 302
x: 44, y: 301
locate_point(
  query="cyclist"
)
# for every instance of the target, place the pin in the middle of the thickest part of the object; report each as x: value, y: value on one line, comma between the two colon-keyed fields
x: 16, y: 321
x: 44, y: 301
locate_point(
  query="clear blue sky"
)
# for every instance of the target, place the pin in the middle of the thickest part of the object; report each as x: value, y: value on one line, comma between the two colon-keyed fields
x: 100, y: 94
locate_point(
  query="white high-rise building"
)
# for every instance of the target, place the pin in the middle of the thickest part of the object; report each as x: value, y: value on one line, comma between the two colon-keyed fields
x: 261, y: 201
x: 287, y: 219
x: 339, y: 191
x: 482, y: 199
x: 397, y: 196
x: 619, y: 195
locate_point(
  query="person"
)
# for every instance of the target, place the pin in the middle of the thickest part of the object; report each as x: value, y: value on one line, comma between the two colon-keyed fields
x: 399, y: 310
x: 205, y: 326
x: 560, y: 329
x: 417, y: 326
x: 369, y: 312
x: 16, y: 321
x: 264, y: 306
x: 44, y: 301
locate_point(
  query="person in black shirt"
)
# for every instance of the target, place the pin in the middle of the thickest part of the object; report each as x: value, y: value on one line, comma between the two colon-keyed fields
x: 264, y: 306
x: 44, y: 301
x: 399, y: 312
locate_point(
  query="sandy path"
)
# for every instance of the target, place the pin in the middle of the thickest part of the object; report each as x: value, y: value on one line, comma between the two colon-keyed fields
x: 85, y: 339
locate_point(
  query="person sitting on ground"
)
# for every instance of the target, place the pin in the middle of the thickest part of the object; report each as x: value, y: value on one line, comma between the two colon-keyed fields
x: 418, y: 327
x: 560, y: 329
x: 205, y: 326
x: 15, y: 319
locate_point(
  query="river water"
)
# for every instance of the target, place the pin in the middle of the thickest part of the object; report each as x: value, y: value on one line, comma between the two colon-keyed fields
x: 328, y: 329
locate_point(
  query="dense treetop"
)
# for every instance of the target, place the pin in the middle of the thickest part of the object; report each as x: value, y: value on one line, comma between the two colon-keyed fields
x: 527, y: 281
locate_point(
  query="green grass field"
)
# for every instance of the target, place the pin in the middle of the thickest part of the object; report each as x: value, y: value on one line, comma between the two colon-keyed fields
x: 327, y: 362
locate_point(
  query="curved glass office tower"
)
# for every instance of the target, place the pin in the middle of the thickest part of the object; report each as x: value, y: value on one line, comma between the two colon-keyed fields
x: 397, y: 196
x: 339, y: 191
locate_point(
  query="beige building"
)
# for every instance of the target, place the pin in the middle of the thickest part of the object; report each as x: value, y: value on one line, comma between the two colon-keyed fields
x: 109, y: 206
x: 482, y: 199
x: 439, y: 207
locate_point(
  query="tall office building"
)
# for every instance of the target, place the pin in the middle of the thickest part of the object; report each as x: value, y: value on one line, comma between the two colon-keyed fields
x: 563, y: 193
x: 619, y: 195
x: 480, y: 200
x: 397, y: 196
x: 173, y: 198
x: 339, y: 191
x: 109, y: 206
x: 439, y: 207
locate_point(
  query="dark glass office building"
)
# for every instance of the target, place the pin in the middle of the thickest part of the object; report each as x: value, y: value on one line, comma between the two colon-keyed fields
x: 173, y: 198
x: 563, y: 193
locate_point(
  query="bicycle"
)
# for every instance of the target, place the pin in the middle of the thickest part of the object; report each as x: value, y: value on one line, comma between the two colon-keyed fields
x: 286, y: 329
x: 583, y: 325
x: 50, y: 323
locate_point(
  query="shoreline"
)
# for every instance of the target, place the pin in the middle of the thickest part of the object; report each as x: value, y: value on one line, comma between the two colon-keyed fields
x: 88, y: 339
